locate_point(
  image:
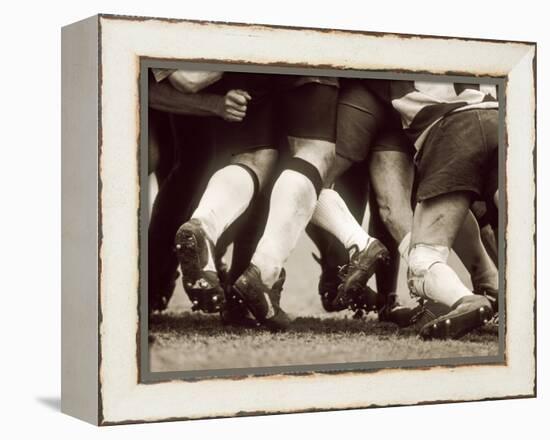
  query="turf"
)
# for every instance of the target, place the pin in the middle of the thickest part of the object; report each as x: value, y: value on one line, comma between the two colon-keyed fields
x: 192, y: 341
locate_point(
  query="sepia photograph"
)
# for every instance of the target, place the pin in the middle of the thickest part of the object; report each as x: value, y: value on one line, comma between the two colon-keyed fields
x: 318, y: 220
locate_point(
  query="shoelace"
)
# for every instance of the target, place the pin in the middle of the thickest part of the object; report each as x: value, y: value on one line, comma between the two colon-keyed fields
x: 354, y: 260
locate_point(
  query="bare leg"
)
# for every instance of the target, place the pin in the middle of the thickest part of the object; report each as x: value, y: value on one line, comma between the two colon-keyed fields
x: 391, y: 174
x: 471, y: 251
x: 438, y: 220
x: 490, y: 241
x: 338, y: 168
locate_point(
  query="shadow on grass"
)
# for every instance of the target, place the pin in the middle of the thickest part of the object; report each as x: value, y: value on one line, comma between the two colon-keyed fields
x: 197, y: 324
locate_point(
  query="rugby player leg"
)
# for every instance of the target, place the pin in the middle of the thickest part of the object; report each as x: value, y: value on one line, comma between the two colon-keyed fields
x: 173, y: 205
x: 228, y: 194
x: 394, y: 169
x: 485, y: 222
x: 310, y: 112
x: 391, y: 172
x: 473, y: 254
x: 450, y: 175
x: 333, y: 256
x: 358, y: 120
x: 386, y: 275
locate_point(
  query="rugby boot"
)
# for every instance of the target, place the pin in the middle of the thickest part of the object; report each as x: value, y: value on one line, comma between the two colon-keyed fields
x: 391, y: 310
x: 203, y: 287
x: 354, y: 293
x: 328, y: 285
x: 262, y: 301
x: 427, y: 311
x: 234, y: 312
x: 489, y: 292
x: 467, y: 314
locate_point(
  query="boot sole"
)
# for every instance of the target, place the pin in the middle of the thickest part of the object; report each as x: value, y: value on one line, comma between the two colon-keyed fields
x: 188, y: 250
x: 188, y: 253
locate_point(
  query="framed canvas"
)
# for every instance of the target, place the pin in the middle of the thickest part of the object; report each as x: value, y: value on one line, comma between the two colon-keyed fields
x: 191, y: 147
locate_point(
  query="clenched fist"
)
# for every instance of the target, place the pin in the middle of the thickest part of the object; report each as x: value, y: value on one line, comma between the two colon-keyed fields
x: 234, y: 105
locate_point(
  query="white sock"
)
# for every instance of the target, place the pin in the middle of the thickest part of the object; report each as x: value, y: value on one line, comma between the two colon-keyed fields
x: 226, y: 197
x: 404, y: 248
x: 332, y: 214
x: 290, y: 208
x: 431, y: 277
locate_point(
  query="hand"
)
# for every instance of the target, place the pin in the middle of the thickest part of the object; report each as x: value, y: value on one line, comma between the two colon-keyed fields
x: 234, y: 105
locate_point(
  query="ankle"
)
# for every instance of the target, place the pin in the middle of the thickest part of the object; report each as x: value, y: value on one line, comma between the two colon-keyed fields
x: 269, y: 270
x: 208, y: 227
x: 359, y: 244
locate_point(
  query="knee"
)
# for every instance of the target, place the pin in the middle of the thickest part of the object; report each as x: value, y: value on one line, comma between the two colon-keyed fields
x: 327, y: 158
x: 261, y: 162
x: 385, y: 211
x: 321, y: 154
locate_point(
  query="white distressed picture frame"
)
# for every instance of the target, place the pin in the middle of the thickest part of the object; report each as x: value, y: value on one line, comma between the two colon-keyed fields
x: 101, y: 205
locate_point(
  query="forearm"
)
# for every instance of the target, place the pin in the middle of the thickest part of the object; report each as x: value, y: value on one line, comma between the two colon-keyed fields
x: 163, y: 97
x: 189, y: 81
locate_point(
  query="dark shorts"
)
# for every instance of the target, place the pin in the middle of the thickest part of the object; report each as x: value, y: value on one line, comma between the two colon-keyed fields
x: 460, y: 154
x: 366, y: 124
x: 281, y: 105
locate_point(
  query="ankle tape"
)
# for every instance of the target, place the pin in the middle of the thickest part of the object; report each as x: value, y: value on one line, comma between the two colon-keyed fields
x: 308, y: 170
x: 421, y: 258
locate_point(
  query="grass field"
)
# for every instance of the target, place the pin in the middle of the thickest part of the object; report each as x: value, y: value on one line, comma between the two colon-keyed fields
x: 183, y: 340
x: 190, y: 341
